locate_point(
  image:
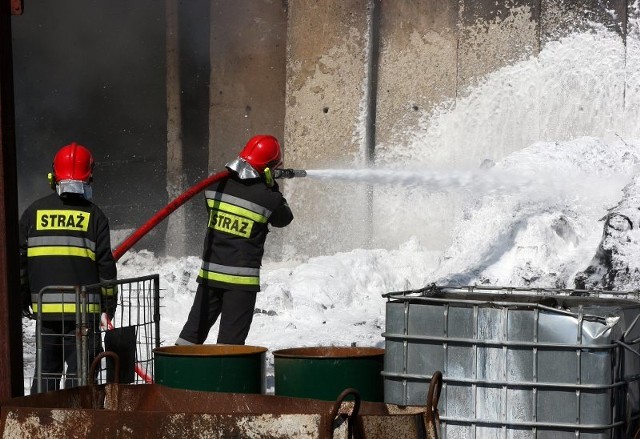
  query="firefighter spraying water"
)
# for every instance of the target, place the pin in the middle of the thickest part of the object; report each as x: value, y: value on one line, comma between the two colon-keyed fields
x: 241, y: 200
x: 259, y: 160
x: 241, y: 207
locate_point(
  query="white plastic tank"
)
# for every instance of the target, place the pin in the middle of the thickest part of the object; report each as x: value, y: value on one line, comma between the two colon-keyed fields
x: 517, y: 363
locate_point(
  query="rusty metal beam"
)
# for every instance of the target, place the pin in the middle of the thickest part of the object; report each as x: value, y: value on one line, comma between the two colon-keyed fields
x: 16, y: 7
x: 151, y: 410
x: 11, y: 375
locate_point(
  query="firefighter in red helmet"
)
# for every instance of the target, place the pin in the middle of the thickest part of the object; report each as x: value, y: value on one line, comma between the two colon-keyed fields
x: 64, y: 241
x: 241, y: 207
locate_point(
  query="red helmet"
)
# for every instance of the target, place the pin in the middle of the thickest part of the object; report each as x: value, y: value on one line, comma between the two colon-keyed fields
x: 73, y: 162
x: 262, y: 152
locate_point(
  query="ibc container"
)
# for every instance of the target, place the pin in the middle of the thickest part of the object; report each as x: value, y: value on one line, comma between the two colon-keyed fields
x: 517, y: 363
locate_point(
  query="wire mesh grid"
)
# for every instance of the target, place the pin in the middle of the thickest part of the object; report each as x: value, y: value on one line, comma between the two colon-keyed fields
x: 70, y: 340
x: 136, y: 322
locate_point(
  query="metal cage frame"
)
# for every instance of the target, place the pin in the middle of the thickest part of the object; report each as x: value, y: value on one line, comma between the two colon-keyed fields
x: 138, y: 308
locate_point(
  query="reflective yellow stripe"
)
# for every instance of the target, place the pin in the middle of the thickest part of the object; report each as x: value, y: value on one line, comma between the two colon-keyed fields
x: 226, y: 207
x: 59, y: 308
x: 108, y: 291
x: 76, y: 220
x: 230, y: 279
x: 61, y: 251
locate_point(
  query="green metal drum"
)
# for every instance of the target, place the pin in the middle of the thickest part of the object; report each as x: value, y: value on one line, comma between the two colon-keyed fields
x: 214, y: 368
x: 324, y: 372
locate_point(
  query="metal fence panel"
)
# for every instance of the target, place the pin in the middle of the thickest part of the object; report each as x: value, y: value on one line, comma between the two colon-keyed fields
x: 134, y: 331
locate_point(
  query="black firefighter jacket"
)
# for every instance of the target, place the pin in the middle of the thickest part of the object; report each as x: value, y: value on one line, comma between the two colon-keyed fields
x: 239, y: 214
x: 64, y: 241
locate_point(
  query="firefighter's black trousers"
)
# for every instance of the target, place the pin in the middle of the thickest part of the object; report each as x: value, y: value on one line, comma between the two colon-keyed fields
x: 235, y: 308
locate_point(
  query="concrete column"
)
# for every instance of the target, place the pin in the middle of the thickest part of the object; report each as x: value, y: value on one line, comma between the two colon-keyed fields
x: 326, y: 45
x: 417, y: 71
x: 324, y: 122
x: 418, y: 57
x: 632, y: 69
x: 494, y: 35
x: 565, y: 20
x: 247, y: 84
x: 562, y: 17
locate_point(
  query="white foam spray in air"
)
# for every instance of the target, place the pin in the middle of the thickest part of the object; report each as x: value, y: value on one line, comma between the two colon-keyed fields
x: 575, y: 87
x: 526, y: 182
x: 583, y: 85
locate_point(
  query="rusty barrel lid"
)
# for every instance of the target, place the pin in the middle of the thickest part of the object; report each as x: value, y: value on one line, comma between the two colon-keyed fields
x: 214, y: 368
x: 323, y: 372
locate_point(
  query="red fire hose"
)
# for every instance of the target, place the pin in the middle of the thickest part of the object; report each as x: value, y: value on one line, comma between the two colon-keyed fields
x: 150, y: 224
x: 165, y: 211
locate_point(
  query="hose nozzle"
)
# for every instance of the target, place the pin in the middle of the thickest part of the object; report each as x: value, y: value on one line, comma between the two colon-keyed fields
x: 288, y: 173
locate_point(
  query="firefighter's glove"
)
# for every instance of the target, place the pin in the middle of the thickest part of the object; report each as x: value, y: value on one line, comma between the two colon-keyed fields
x: 106, y: 318
x: 268, y: 177
x: 106, y: 323
x: 109, y: 309
x: 26, y: 310
x: 109, y: 300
